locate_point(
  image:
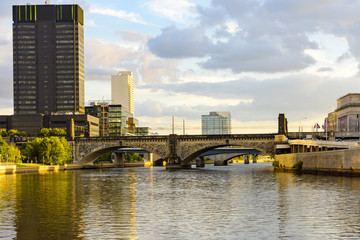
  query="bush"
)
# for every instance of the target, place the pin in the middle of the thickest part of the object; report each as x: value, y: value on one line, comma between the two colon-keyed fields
x: 298, y: 165
x: 276, y: 164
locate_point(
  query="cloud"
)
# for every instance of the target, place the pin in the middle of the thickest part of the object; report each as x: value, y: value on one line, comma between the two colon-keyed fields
x: 104, y: 59
x: 269, y: 36
x: 343, y: 57
x: 177, y: 11
x: 296, y: 96
x: 132, y: 17
x: 132, y: 36
x: 325, y: 69
x: 180, y: 43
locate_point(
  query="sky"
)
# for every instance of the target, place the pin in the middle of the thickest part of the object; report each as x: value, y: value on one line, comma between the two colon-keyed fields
x: 254, y: 58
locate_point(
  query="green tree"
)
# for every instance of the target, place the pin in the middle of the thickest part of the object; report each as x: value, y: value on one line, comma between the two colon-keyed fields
x: 44, y: 132
x: 133, y: 157
x: 51, y: 150
x: 13, y: 132
x: 9, y: 152
x: 3, y: 132
x: 57, y: 132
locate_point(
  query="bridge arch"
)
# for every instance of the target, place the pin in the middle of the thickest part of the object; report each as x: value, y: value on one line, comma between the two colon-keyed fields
x: 88, y: 151
x: 191, y: 151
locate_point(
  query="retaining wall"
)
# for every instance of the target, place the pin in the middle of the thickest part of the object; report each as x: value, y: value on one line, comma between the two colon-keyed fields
x: 338, y: 161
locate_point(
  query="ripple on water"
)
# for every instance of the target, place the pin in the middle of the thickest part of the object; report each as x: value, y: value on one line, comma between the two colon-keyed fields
x: 230, y: 202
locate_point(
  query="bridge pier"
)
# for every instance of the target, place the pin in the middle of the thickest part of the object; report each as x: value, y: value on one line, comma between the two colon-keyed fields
x: 254, y: 158
x: 246, y: 159
x: 119, y: 159
x: 200, y: 162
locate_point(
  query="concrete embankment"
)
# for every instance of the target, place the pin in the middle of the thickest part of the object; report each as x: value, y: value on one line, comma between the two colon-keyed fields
x: 344, y: 162
x: 13, y: 169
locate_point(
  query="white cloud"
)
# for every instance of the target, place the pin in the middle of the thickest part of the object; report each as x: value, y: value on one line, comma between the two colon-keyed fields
x: 132, y: 17
x: 177, y: 11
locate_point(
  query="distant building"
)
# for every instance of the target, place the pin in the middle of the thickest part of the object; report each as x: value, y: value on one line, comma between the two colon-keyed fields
x: 114, y: 119
x: 48, y: 59
x: 216, y: 123
x: 122, y: 90
x: 142, y: 131
x: 344, y: 122
x: 78, y: 124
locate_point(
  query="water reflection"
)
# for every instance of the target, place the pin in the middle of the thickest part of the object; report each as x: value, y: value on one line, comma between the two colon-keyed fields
x: 47, y: 206
x: 7, y: 206
x: 233, y: 202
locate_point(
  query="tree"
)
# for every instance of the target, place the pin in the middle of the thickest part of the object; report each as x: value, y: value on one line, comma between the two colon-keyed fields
x: 133, y: 157
x: 51, y: 150
x: 9, y: 152
x: 57, y: 132
x: 46, y: 132
x: 13, y: 132
x: 3, y: 132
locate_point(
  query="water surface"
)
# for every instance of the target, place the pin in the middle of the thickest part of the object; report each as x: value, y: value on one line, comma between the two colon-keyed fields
x: 230, y: 202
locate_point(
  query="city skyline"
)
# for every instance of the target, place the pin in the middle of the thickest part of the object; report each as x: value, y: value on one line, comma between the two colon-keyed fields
x: 255, y: 59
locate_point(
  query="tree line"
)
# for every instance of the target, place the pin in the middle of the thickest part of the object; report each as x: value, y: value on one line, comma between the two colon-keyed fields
x: 44, y: 132
x: 51, y: 148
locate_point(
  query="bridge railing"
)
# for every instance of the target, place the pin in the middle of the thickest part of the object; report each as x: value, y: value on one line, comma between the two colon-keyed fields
x: 180, y: 137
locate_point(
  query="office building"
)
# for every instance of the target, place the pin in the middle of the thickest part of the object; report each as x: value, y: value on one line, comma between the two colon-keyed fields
x: 122, y: 90
x: 216, y: 123
x: 142, y: 131
x: 48, y: 59
x: 344, y: 122
x: 114, y: 120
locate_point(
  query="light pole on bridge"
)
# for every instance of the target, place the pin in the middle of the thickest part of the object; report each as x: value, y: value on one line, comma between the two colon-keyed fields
x: 300, y: 125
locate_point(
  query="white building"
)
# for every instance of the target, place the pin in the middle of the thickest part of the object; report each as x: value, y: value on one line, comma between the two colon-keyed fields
x: 345, y: 120
x: 122, y: 90
x: 216, y: 123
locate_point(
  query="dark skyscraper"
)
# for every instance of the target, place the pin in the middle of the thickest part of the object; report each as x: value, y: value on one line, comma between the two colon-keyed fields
x: 48, y: 55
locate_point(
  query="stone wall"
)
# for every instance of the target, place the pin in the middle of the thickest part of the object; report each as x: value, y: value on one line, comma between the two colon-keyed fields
x: 338, y: 161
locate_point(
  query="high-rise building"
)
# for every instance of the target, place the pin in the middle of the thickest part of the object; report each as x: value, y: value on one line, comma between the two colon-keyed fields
x: 216, y: 123
x: 48, y: 59
x: 122, y: 90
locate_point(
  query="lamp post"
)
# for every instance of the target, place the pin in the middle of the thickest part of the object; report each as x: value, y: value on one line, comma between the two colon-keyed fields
x: 300, y: 125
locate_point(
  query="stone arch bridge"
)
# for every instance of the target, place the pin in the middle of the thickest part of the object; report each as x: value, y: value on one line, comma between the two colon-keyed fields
x: 177, y: 150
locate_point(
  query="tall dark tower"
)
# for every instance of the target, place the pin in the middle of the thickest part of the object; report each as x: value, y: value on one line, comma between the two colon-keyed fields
x: 48, y: 59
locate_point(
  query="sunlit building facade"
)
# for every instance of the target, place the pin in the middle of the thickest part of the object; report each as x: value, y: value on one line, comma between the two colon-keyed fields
x: 48, y: 59
x: 122, y: 90
x: 344, y: 122
x: 216, y: 123
x: 114, y: 119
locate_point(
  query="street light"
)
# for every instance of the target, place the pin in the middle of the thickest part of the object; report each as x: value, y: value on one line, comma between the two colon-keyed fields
x: 300, y: 125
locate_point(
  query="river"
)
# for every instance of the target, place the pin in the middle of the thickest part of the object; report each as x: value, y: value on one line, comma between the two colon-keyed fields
x: 230, y: 202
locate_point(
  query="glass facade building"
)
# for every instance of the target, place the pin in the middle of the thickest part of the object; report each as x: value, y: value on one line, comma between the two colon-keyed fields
x: 216, y: 123
x: 48, y: 59
x: 114, y: 120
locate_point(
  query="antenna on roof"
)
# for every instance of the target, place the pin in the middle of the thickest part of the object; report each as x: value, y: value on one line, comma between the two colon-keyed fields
x: 47, y: 2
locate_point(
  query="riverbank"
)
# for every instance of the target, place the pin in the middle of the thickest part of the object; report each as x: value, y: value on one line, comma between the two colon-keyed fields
x: 14, y: 169
x: 339, y: 162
